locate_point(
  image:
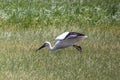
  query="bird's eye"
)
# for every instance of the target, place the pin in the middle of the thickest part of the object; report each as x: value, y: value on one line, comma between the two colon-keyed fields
x: 45, y: 44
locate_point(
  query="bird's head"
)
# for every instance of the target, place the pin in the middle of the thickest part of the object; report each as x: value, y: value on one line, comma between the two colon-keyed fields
x: 44, y: 45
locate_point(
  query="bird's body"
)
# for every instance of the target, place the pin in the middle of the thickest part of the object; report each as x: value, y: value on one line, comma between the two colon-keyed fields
x: 65, y: 40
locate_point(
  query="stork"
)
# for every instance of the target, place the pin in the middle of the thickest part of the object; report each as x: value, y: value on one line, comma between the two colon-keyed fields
x: 64, y: 40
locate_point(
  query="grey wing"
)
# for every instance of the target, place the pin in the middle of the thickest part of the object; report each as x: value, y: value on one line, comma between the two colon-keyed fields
x: 70, y: 36
x: 73, y: 35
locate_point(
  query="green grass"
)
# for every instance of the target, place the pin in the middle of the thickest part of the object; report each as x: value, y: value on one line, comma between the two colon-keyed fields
x: 40, y: 13
x: 26, y: 24
x: 98, y: 61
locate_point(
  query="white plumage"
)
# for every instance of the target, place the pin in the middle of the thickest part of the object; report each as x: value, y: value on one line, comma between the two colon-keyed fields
x: 64, y: 40
x: 62, y: 36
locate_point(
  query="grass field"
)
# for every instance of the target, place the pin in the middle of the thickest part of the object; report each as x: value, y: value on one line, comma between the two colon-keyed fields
x: 25, y: 25
x: 98, y: 61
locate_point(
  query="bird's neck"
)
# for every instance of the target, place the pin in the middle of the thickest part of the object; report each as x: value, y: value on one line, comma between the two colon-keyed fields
x: 50, y: 47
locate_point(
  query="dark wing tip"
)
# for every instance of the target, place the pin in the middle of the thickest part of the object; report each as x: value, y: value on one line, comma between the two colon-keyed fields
x: 78, y: 34
x: 75, y: 34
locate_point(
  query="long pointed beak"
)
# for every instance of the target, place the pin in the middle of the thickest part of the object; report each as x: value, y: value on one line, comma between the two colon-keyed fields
x: 41, y: 47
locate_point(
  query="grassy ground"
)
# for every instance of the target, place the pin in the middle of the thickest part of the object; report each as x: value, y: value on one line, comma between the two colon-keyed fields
x: 98, y: 61
x: 25, y: 25
x: 40, y: 13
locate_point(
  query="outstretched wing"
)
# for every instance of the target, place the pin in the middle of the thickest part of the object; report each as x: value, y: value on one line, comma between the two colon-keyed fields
x: 68, y: 35
x: 73, y: 35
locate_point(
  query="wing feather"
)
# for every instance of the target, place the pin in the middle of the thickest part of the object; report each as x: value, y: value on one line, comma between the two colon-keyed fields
x: 71, y: 36
x: 62, y: 36
x: 68, y: 35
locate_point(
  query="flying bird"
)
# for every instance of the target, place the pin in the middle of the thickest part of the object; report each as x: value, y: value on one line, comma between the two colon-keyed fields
x: 64, y: 40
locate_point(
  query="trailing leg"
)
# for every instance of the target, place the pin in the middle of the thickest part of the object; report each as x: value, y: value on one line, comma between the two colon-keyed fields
x: 78, y: 48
